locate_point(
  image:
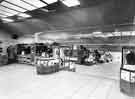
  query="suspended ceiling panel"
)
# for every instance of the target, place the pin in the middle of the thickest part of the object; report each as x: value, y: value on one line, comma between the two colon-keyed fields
x: 93, y: 14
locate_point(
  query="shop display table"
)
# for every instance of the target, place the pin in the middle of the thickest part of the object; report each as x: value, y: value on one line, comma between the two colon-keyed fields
x: 127, y: 71
x: 47, y: 65
x: 127, y: 79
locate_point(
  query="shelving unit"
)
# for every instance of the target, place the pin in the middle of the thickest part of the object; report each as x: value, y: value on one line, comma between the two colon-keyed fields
x: 26, y: 59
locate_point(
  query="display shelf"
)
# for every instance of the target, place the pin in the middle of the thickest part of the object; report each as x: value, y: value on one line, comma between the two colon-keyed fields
x: 26, y: 59
x: 127, y: 72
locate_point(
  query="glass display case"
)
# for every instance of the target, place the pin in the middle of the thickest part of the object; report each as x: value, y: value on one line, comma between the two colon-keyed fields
x: 66, y: 53
x: 127, y: 71
x: 47, y: 58
x: 25, y: 53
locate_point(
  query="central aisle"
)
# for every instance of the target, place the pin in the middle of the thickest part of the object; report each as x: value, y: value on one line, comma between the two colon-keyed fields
x: 104, y: 70
x: 18, y: 81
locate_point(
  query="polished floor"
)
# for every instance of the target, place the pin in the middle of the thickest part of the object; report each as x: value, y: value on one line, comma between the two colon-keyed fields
x: 19, y: 81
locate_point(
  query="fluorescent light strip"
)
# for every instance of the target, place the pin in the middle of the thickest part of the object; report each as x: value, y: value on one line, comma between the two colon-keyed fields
x: 70, y: 3
x: 8, y: 10
x: 22, y: 4
x: 36, y: 3
x: 12, y: 6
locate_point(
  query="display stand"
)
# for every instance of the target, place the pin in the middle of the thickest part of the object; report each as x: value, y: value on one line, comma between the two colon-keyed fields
x: 47, y: 61
x: 25, y: 53
x: 68, y: 61
x: 46, y: 65
x: 127, y: 71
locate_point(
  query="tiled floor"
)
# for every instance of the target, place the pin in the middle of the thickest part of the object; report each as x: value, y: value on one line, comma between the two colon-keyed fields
x: 22, y: 82
x: 105, y: 70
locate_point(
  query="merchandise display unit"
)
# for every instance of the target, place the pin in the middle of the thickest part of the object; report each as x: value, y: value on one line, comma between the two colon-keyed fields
x: 25, y: 53
x: 68, y: 60
x: 127, y: 71
x: 3, y: 57
x: 47, y: 58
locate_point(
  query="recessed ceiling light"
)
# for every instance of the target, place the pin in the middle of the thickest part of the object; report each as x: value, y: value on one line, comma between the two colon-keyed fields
x: 70, y: 3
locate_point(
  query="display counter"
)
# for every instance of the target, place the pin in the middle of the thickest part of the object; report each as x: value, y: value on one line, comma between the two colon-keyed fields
x: 127, y: 79
x: 24, y: 59
x: 47, y: 65
x: 127, y: 71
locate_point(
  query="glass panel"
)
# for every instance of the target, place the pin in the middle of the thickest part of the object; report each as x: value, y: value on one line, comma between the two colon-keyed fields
x: 8, y: 10
x: 22, y: 4
x: 70, y: 3
x: 13, y: 7
x: 50, y: 1
x: 36, y: 3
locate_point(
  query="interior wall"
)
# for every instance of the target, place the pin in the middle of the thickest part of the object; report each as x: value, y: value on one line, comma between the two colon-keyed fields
x: 6, y: 40
x: 4, y: 36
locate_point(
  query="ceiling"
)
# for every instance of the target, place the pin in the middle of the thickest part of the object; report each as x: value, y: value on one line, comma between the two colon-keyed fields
x: 89, y: 16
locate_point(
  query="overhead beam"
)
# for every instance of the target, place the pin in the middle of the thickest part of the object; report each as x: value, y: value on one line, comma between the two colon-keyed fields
x: 44, y: 2
x: 16, y: 5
